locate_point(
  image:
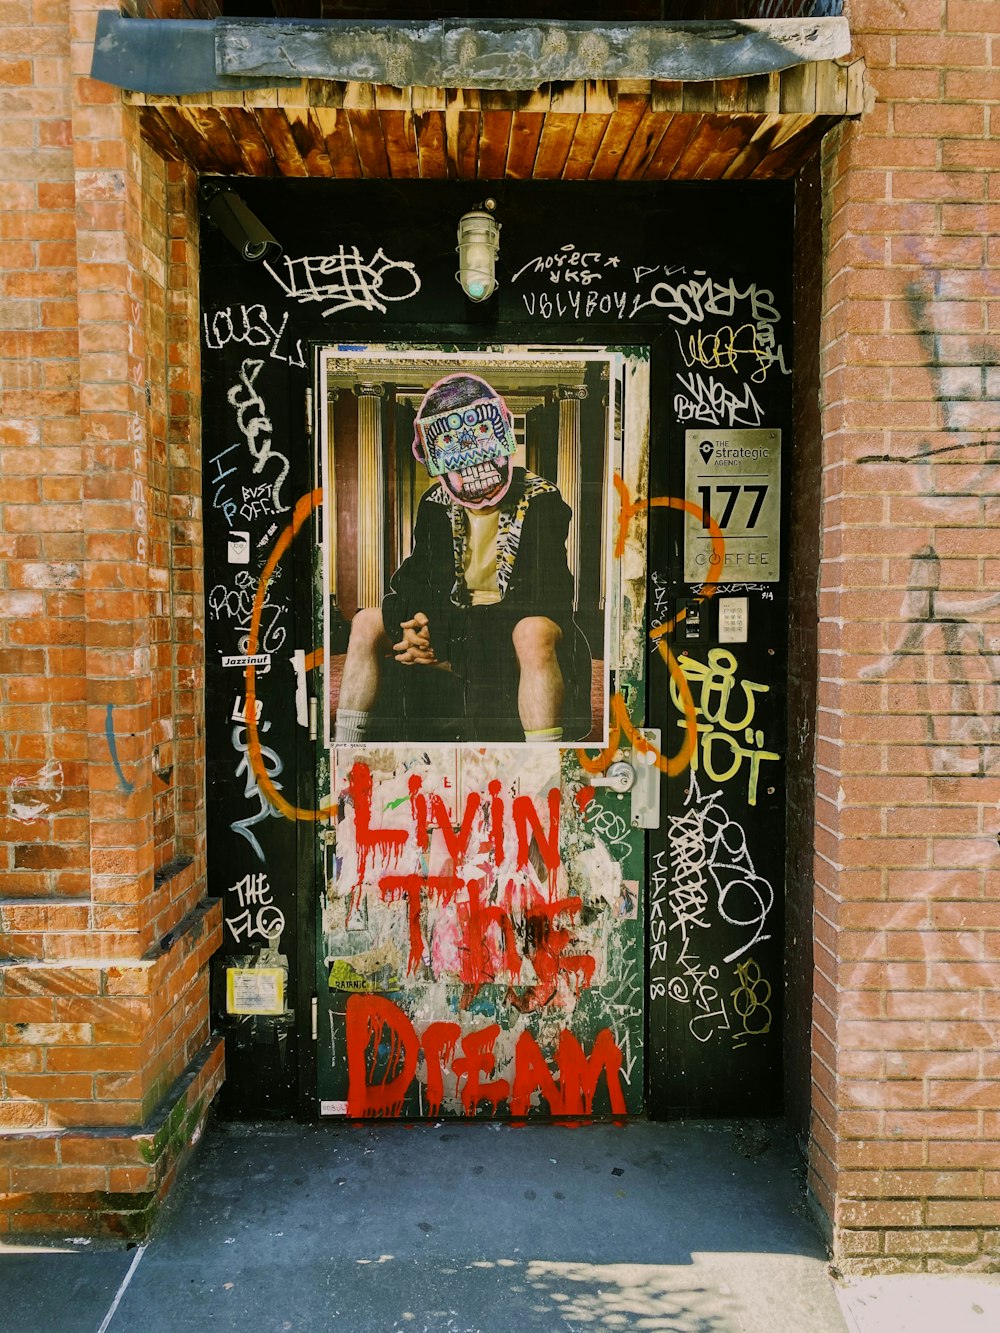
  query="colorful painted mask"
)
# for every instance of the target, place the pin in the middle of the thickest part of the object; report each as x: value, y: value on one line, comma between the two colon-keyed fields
x: 468, y: 446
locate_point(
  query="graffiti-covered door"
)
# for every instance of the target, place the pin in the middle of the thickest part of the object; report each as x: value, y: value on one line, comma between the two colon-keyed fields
x: 480, y: 926
x: 717, y: 649
x: 479, y: 903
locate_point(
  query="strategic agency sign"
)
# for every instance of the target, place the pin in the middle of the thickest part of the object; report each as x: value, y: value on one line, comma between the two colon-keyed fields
x: 734, y: 477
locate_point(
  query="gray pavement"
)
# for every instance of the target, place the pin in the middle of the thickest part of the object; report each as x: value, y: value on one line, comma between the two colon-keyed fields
x: 456, y: 1228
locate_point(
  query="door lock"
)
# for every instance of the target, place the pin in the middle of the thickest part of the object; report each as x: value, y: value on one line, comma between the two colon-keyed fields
x: 619, y: 777
x: 646, y: 792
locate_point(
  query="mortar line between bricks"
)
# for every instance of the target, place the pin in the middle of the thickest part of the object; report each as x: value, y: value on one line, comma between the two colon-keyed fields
x: 122, y: 1289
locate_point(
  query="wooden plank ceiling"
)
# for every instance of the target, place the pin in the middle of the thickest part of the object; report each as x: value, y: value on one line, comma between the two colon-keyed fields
x: 760, y: 128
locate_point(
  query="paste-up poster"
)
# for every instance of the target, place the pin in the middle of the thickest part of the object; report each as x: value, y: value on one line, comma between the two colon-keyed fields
x: 466, y: 571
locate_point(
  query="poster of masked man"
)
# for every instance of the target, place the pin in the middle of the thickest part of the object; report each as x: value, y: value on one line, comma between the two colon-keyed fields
x: 468, y: 558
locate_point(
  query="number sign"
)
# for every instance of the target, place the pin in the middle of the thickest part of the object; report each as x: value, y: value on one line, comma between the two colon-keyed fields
x: 733, y: 477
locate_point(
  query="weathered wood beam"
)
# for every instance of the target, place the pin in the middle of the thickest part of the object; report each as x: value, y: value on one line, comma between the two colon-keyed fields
x: 826, y: 89
x: 725, y: 129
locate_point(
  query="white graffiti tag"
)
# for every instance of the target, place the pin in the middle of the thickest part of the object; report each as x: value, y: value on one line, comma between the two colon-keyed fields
x: 256, y: 503
x: 610, y: 828
x: 701, y: 296
x: 250, y: 324
x: 260, y: 917
x: 272, y: 766
x: 704, y: 876
x: 346, y: 281
x: 236, y: 603
x: 691, y: 981
x: 255, y: 427
x: 660, y: 609
x: 710, y: 853
x: 710, y: 401
x: 569, y: 265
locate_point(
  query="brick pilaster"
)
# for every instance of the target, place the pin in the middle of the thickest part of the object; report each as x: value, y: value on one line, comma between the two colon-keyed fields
x: 906, y: 1107
x: 105, y: 932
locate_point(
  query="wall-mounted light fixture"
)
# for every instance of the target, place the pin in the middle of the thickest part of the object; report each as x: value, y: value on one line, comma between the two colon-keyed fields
x: 242, y: 229
x: 478, y: 247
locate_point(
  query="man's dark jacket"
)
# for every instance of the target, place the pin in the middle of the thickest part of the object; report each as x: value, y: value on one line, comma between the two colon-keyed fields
x: 533, y: 577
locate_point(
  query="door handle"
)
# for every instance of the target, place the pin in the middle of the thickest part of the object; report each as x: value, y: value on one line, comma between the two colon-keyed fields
x: 641, y: 779
x: 619, y: 777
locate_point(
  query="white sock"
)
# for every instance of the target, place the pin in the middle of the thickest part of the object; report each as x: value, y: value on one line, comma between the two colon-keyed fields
x: 350, y: 726
x: 544, y: 734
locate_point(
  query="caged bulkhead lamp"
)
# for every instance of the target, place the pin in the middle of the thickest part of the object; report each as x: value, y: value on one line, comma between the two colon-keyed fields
x: 242, y: 229
x: 478, y: 247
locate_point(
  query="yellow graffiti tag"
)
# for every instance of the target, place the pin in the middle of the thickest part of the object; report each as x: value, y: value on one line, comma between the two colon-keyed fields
x: 750, y: 999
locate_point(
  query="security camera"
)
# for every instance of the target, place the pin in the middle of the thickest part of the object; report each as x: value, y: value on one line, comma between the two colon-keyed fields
x: 242, y: 229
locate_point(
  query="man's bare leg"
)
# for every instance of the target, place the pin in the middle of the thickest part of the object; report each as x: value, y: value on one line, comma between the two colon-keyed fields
x: 366, y: 648
x: 540, y: 690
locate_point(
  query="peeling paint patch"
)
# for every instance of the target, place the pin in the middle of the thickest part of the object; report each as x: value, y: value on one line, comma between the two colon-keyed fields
x: 31, y: 797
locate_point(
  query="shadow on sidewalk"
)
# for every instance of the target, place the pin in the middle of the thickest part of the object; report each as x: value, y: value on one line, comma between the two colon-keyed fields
x: 471, y: 1228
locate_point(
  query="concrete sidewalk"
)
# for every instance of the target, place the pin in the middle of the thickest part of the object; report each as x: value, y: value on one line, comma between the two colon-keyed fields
x: 922, y: 1303
x: 462, y: 1228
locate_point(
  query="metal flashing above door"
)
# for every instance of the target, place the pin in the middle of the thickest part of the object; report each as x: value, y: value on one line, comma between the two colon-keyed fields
x: 178, y: 56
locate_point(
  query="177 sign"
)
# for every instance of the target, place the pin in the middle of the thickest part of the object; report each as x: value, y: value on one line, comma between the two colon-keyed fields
x: 733, y: 479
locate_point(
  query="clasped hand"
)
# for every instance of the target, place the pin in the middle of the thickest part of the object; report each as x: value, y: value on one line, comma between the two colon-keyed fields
x: 415, y: 645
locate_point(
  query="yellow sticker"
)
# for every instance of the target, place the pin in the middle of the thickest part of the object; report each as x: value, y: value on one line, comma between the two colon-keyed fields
x: 255, y: 990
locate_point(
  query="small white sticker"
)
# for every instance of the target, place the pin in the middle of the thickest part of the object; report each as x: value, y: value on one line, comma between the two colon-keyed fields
x: 239, y: 548
x: 333, y: 1108
x: 298, y: 661
x: 239, y: 713
x: 256, y: 660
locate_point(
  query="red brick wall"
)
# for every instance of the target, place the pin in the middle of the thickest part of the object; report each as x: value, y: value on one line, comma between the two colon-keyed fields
x: 906, y: 1074
x: 104, y: 935
x: 42, y: 737
x: 169, y: 304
